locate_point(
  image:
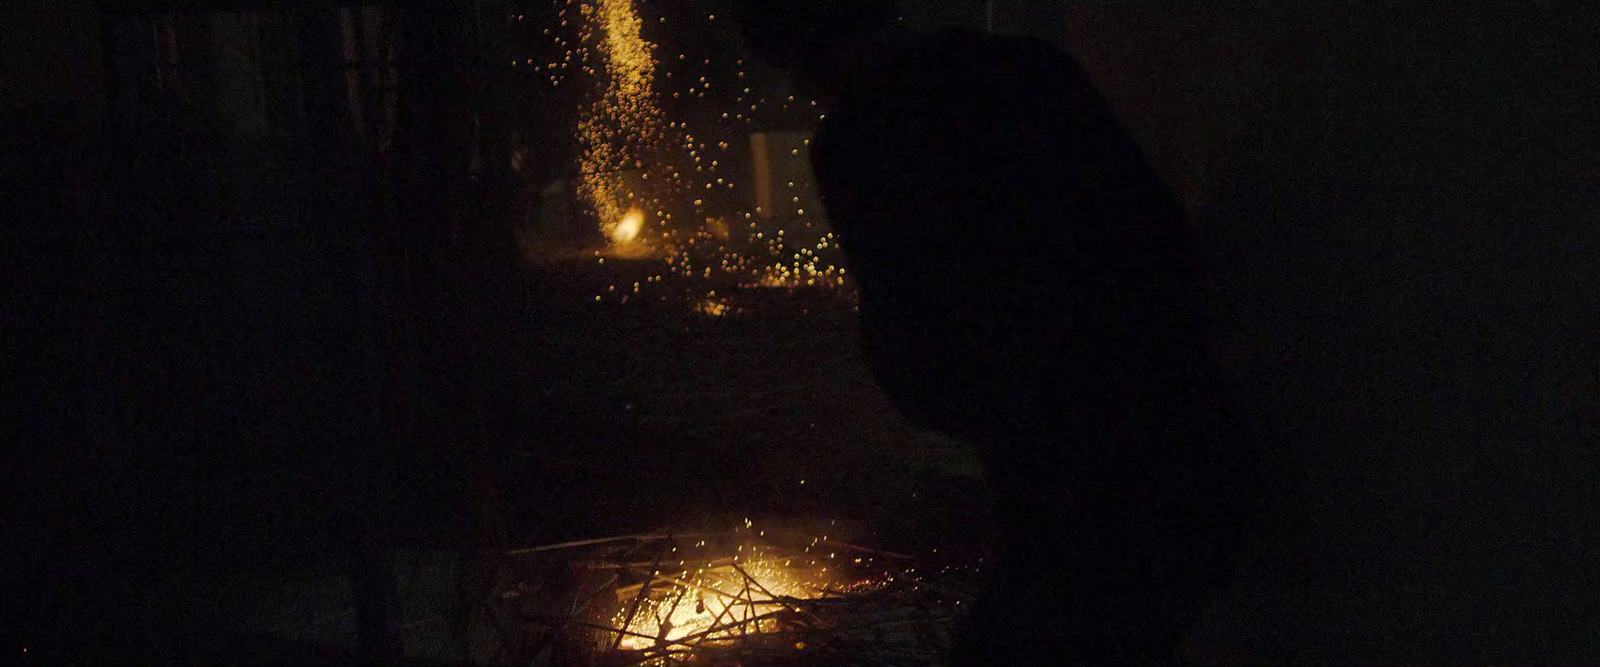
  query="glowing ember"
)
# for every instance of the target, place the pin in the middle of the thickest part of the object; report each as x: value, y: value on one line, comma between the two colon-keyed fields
x: 746, y: 596
x: 714, y: 307
x: 624, y: 125
x: 636, y: 165
x: 720, y: 603
x: 627, y: 229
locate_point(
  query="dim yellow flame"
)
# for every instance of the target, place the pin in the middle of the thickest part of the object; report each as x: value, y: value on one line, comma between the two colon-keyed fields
x: 710, y: 597
x: 627, y: 229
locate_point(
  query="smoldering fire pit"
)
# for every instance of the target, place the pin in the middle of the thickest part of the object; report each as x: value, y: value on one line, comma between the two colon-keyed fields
x: 746, y: 597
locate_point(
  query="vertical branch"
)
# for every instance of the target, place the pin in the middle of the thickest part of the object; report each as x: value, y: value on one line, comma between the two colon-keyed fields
x: 633, y: 609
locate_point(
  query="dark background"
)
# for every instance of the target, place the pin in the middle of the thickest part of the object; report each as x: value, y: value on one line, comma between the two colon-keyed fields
x: 1398, y: 200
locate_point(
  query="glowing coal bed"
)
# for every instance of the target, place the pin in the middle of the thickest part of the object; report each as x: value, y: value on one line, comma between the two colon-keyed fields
x: 742, y: 597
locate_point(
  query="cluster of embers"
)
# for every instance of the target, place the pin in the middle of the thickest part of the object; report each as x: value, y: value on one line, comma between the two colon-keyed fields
x: 745, y: 597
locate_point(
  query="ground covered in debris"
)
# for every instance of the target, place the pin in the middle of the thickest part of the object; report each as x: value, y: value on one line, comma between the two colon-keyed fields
x: 651, y: 415
x: 774, y: 593
x: 651, y: 410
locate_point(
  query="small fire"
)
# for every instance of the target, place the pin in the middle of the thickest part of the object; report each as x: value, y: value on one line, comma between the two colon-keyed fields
x: 627, y: 229
x: 631, y: 155
x: 739, y: 596
x: 715, y: 597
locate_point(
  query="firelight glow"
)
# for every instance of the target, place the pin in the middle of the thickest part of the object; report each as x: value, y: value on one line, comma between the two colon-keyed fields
x: 627, y: 229
x: 631, y: 157
x: 713, y: 596
x: 624, y: 125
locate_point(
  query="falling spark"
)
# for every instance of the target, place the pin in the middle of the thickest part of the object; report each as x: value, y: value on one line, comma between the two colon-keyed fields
x: 623, y: 125
x: 632, y: 159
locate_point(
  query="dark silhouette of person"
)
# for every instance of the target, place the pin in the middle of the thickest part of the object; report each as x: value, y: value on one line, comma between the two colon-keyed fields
x: 1029, y: 284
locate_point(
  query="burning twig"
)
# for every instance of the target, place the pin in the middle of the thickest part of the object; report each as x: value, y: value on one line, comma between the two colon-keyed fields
x: 611, y: 565
x: 634, y: 609
x: 600, y: 540
x: 875, y: 552
x: 764, y: 604
x: 693, y: 640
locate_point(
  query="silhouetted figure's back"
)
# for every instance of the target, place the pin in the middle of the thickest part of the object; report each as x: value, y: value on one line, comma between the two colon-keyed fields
x: 1029, y: 284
